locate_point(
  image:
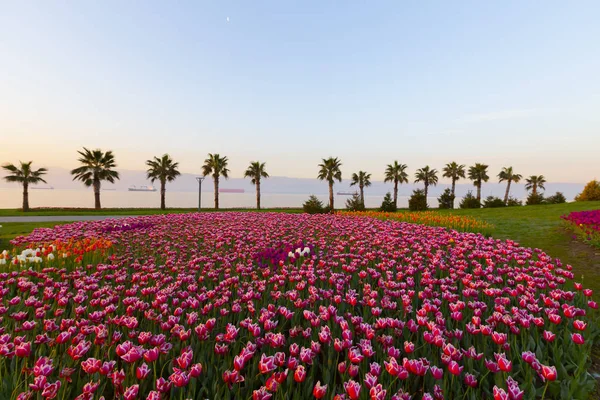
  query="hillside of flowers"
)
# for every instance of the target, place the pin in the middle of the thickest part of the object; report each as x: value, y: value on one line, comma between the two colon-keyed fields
x: 281, y: 306
x: 586, y: 225
x: 461, y: 223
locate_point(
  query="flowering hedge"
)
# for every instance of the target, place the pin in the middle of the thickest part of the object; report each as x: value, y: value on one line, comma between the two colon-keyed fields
x: 460, y: 223
x: 586, y: 225
x: 274, y: 306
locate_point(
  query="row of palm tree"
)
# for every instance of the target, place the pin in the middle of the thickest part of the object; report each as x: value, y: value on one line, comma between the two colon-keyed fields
x: 396, y: 173
x: 97, y: 166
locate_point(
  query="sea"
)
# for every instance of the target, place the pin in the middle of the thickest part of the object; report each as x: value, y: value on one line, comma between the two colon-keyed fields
x: 81, y: 198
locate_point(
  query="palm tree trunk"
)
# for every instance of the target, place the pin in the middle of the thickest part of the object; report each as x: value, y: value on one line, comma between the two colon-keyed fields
x: 453, y: 191
x: 216, y: 179
x: 258, y: 195
x: 331, y: 195
x: 25, y: 197
x: 479, y: 192
x: 362, y: 194
x: 426, y: 190
x: 507, y: 192
x: 97, y: 204
x: 163, y: 191
x: 534, y: 190
x: 395, y: 193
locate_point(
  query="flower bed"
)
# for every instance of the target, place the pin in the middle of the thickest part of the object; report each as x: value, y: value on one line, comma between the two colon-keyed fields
x: 586, y: 225
x: 261, y: 306
x: 460, y: 223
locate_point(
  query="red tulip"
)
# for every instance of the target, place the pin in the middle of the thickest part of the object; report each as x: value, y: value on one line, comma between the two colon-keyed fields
x: 548, y: 336
x: 500, y: 394
x: 51, y: 390
x: 23, y: 349
x: 142, y: 371
x: 131, y: 392
x: 319, y: 391
x: 266, y: 364
x: 300, y: 374
x: 454, y: 368
x: 352, y: 388
x: 579, y: 325
x: 548, y: 373
x: 577, y: 338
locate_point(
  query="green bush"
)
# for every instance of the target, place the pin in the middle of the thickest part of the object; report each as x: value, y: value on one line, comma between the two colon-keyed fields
x: 388, y: 203
x: 354, y: 203
x: 591, y: 192
x: 446, y: 199
x: 535, y: 199
x: 557, y: 198
x: 513, y: 202
x: 418, y: 201
x: 493, y: 202
x: 470, y: 201
x: 314, y: 206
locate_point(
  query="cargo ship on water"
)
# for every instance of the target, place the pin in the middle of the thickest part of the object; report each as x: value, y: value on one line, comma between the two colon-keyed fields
x: 231, y: 190
x: 134, y: 188
x: 346, y: 193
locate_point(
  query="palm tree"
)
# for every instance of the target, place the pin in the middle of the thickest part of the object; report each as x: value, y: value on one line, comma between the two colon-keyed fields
x: 256, y: 170
x: 25, y: 176
x: 362, y: 179
x: 508, y: 175
x: 164, y: 170
x: 96, y: 166
x: 427, y: 176
x: 478, y: 174
x: 396, y: 173
x: 217, y: 166
x: 330, y: 171
x: 534, y: 182
x: 454, y: 171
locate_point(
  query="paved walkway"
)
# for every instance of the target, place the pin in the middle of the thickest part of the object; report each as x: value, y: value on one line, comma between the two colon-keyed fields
x: 60, y: 218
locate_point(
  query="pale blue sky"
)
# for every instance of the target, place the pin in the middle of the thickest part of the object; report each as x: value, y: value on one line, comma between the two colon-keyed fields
x: 507, y: 83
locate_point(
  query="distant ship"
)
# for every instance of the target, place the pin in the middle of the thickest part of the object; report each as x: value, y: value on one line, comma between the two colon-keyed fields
x: 231, y: 190
x: 43, y: 187
x: 134, y: 188
x: 346, y: 193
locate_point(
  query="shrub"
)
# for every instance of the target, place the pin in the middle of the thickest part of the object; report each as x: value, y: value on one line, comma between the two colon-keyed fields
x: 418, y: 201
x: 493, y: 202
x: 557, y: 198
x: 514, y: 202
x: 354, y: 203
x: 470, y: 201
x: 591, y: 192
x: 446, y: 199
x: 535, y: 199
x: 388, y: 203
x: 314, y: 206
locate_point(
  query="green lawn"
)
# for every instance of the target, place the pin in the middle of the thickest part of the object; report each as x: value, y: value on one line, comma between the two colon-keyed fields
x: 10, y: 230
x: 12, y: 212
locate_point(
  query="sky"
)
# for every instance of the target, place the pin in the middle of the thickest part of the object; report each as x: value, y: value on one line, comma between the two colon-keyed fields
x: 512, y: 83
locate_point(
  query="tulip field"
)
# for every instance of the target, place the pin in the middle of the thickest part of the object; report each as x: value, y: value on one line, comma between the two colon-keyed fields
x: 288, y: 306
x: 461, y: 223
x: 586, y: 225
